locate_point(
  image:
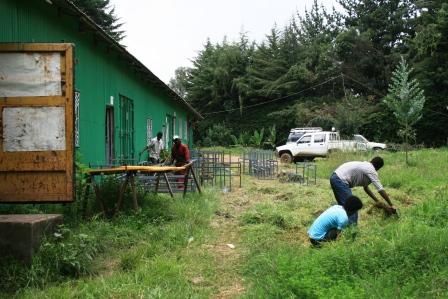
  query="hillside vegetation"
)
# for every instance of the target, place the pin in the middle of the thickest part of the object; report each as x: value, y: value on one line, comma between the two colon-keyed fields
x: 252, y: 243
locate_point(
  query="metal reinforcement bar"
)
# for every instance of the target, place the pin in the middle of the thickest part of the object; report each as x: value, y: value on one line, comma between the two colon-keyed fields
x: 308, y: 171
x: 260, y: 163
x: 216, y: 168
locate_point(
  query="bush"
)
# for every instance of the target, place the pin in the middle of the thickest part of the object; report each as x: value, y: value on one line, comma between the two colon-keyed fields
x: 62, y: 255
x: 217, y: 135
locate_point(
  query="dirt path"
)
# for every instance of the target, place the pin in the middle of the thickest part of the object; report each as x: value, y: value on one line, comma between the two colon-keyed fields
x: 227, y: 249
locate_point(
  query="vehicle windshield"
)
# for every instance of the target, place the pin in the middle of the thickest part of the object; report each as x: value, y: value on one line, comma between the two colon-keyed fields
x: 360, y: 138
x: 294, y: 136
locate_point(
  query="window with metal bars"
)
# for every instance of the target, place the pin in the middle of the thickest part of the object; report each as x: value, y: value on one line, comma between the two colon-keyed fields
x: 126, y: 130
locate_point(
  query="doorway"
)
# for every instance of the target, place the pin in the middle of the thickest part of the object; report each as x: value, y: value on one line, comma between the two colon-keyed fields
x: 109, y: 135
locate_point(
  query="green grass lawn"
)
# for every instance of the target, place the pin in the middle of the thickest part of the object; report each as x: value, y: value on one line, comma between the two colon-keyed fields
x: 179, y: 248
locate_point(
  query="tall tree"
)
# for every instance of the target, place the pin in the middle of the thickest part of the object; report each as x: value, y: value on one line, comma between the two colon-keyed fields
x: 101, y: 12
x: 406, y: 100
x: 429, y: 55
x: 378, y: 31
x: 180, y: 81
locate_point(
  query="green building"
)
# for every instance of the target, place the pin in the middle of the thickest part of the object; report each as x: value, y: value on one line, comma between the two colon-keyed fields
x: 119, y: 103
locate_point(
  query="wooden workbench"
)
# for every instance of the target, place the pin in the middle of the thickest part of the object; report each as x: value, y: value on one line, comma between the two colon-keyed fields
x: 130, y: 172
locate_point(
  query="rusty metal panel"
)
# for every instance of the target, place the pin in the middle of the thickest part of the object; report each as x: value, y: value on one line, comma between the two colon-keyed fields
x: 30, y: 74
x: 36, y: 123
x: 27, y: 129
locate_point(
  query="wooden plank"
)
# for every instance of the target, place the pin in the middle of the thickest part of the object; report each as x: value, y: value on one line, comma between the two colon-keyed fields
x: 59, y: 101
x: 33, y: 161
x: 34, y: 47
x: 70, y: 120
x: 33, y: 186
x: 142, y: 169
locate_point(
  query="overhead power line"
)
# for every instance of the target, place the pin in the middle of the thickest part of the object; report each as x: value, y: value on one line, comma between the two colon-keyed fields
x: 313, y: 87
x: 275, y: 100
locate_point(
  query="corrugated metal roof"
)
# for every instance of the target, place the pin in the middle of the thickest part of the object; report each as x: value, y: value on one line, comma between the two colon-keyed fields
x: 136, y: 64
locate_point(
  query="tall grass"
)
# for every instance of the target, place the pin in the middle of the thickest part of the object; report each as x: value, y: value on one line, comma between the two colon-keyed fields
x: 382, y: 258
x: 163, y: 250
x: 144, y: 254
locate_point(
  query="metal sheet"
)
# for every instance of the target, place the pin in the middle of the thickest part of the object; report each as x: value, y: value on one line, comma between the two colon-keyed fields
x: 33, y: 129
x: 30, y: 74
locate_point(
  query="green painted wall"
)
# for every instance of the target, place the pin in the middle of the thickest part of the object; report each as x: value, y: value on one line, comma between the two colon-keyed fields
x: 100, y: 73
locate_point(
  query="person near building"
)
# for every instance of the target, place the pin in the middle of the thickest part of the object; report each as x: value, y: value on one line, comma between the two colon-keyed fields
x: 180, y: 154
x: 154, y: 147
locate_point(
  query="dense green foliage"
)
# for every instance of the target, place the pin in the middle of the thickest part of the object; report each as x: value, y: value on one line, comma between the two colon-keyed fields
x: 310, y: 72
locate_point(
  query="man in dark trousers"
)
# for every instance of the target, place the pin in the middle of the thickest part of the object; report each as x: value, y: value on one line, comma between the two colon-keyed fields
x: 331, y: 222
x: 357, y: 173
x: 180, y: 154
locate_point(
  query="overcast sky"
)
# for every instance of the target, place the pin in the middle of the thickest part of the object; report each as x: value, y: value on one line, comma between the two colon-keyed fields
x: 167, y: 34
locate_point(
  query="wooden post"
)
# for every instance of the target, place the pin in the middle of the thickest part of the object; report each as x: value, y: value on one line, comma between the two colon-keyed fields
x: 122, y: 190
x: 134, y: 192
x: 186, y: 181
x: 98, y: 196
x: 157, y: 183
x: 85, y: 196
x: 168, y: 184
x: 195, y: 179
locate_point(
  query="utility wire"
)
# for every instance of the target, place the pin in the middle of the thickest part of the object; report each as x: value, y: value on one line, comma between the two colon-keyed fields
x: 277, y: 99
x: 313, y: 87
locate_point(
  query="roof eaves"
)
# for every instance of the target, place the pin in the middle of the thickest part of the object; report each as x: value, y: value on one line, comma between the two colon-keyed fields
x: 153, y: 78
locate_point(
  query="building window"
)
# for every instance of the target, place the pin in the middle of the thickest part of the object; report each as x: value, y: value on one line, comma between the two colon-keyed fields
x: 148, y: 130
x: 126, y: 130
x: 180, y: 128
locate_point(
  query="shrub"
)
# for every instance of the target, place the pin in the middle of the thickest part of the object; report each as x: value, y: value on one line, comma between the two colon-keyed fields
x: 217, y: 135
x: 63, y: 254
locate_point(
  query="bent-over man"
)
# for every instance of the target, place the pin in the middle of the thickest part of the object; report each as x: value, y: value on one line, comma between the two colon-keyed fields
x: 357, y: 173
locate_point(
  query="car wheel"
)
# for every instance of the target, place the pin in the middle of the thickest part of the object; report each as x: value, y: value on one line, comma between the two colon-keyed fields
x: 286, y: 158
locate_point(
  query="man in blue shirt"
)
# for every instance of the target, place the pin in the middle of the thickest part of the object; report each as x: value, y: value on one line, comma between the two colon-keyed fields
x: 332, y: 221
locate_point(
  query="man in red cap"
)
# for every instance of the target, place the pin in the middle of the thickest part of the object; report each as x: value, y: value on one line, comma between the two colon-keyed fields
x: 180, y: 154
